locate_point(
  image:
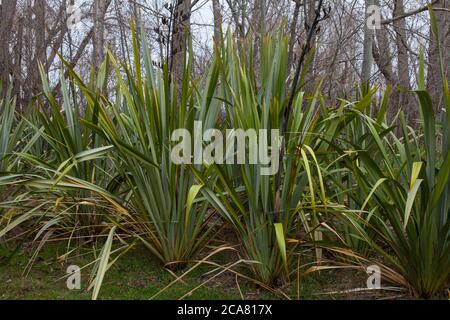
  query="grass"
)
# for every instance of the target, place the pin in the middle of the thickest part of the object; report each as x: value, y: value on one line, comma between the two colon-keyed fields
x: 136, y: 276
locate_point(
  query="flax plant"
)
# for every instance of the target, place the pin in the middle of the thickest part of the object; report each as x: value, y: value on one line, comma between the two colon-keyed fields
x: 148, y: 108
x: 405, y: 184
x: 241, y: 193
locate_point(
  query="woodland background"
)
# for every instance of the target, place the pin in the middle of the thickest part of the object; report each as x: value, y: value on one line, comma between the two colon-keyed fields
x: 347, y: 52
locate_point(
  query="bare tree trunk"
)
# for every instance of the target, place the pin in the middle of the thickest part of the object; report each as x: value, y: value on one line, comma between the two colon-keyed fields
x: 40, y: 45
x: 8, y: 10
x: 401, y: 42
x: 236, y: 8
x: 98, y: 36
x: 434, y: 81
x: 293, y: 33
x: 217, y: 12
x: 383, y: 56
x: 18, y: 63
x: 136, y: 13
x: 180, y: 30
x: 366, y: 68
x: 402, y: 98
x: 258, y: 27
x: 310, y: 14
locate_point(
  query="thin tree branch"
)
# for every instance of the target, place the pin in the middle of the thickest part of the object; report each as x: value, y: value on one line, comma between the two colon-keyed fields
x: 408, y: 14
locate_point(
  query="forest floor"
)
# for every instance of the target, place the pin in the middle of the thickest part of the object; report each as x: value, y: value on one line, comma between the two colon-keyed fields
x: 137, y: 275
